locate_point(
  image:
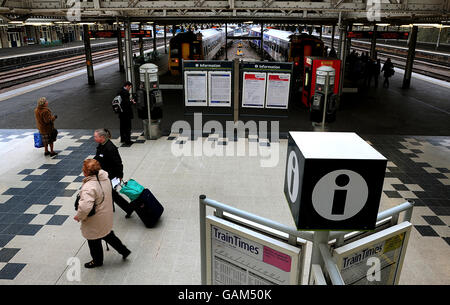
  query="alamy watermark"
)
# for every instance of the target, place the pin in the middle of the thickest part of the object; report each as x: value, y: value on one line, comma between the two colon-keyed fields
x: 73, y: 273
x: 269, y: 153
x: 374, y: 272
x: 374, y: 10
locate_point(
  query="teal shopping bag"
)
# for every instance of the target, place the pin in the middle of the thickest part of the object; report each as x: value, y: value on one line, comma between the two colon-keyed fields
x: 132, y: 189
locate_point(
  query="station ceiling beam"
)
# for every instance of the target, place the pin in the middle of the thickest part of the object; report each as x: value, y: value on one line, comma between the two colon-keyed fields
x: 357, y: 10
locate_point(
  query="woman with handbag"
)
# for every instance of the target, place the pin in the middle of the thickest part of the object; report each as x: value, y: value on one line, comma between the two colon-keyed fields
x: 95, y: 211
x: 45, y: 123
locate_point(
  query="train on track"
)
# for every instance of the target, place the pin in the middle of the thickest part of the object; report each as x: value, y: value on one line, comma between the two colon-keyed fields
x: 287, y: 46
x: 201, y: 45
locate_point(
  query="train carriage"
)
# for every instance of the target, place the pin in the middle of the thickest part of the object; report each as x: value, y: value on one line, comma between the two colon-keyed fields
x: 288, y: 46
x: 202, y: 45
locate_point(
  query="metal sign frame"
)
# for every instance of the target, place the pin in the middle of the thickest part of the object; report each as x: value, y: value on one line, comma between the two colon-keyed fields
x: 274, y: 254
x: 364, y: 248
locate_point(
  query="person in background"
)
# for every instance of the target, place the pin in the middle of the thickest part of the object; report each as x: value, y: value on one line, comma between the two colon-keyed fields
x: 109, y: 158
x: 126, y: 115
x: 45, y: 121
x: 96, y: 194
x: 388, y: 69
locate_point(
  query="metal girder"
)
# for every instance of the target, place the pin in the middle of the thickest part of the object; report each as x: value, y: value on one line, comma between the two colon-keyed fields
x: 326, y: 9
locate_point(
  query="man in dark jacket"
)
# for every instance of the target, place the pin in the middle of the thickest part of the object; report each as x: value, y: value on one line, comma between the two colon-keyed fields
x: 109, y: 158
x: 126, y: 115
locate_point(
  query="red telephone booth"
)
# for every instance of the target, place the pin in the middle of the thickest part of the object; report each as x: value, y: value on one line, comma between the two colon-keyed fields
x: 309, y: 75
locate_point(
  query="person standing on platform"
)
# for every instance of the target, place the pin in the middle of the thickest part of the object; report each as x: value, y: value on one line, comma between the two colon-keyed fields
x: 109, y: 158
x: 45, y: 123
x: 96, y: 194
x: 388, y: 69
x: 126, y: 115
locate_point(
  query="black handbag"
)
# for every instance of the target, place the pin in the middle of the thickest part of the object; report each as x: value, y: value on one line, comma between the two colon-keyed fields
x: 77, y: 201
x: 54, y: 134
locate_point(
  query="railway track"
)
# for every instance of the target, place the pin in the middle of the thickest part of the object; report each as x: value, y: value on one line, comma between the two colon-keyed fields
x: 42, y: 70
x: 424, y: 63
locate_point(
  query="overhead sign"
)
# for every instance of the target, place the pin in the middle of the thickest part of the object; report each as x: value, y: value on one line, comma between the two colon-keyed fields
x: 267, y: 66
x: 380, y: 35
x: 333, y: 181
x: 240, y: 256
x: 277, y: 94
x: 253, y: 89
x: 376, y: 259
x: 196, y: 88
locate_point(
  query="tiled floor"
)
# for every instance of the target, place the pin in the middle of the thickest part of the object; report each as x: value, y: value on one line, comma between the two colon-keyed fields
x: 38, y: 235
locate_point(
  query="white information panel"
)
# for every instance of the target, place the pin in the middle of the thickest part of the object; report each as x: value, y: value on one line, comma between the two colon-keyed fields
x: 376, y: 259
x: 239, y: 256
x: 220, y: 89
x: 195, y: 86
x: 254, y: 90
x: 277, y: 95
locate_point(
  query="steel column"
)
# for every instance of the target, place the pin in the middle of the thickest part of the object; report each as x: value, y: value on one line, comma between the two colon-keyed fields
x: 410, y: 58
x: 141, y: 43
x: 342, y: 56
x: 154, y: 38
x: 129, y: 54
x: 120, y: 46
x: 88, y: 52
x: 332, y: 36
x: 226, y: 41
x: 373, y: 43
x: 165, y: 40
x: 261, y: 48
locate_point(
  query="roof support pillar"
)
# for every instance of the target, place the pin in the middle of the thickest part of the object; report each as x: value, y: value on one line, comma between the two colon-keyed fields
x: 120, y: 46
x: 88, y: 52
x: 410, y: 58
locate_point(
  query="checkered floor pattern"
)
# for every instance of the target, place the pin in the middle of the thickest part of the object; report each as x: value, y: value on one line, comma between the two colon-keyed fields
x: 31, y: 208
x: 408, y: 175
x: 412, y: 174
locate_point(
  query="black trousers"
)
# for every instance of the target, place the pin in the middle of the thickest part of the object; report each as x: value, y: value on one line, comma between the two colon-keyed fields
x: 95, y: 247
x: 121, y: 202
x: 125, y: 129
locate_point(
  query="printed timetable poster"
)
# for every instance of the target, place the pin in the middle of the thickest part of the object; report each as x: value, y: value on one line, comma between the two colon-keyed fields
x: 254, y: 90
x: 380, y: 255
x: 195, y: 86
x: 240, y: 256
x: 220, y: 88
x: 277, y: 95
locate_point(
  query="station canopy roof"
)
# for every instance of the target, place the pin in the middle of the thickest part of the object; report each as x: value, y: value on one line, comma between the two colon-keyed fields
x: 203, y: 11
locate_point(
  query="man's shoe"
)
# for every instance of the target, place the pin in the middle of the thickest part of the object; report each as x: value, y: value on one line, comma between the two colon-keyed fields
x: 47, y: 153
x: 128, y: 214
x: 126, y: 254
x: 91, y: 265
x: 52, y: 154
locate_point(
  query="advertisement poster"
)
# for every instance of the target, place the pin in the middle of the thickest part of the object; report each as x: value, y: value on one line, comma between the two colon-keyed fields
x: 239, y: 256
x: 253, y: 90
x: 195, y: 84
x: 220, y: 89
x: 380, y: 255
x: 277, y: 95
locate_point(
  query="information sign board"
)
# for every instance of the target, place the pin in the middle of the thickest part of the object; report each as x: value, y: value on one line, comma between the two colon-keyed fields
x: 196, y: 83
x: 253, y: 90
x: 376, y: 259
x: 220, y: 88
x: 277, y: 94
x: 240, y: 256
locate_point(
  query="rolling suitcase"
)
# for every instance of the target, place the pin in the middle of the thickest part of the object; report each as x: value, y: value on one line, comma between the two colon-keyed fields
x: 148, y: 208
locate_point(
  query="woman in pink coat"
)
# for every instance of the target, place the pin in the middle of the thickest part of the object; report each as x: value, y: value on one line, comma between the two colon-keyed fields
x: 96, y: 190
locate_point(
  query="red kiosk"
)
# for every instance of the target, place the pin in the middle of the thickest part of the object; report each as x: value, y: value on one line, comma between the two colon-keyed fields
x: 312, y: 63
